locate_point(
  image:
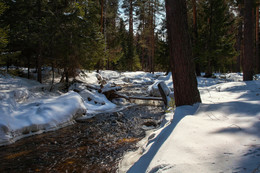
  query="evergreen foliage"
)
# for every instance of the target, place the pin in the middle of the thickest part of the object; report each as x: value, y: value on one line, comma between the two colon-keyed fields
x: 3, y: 33
x: 216, y: 36
x: 116, y: 34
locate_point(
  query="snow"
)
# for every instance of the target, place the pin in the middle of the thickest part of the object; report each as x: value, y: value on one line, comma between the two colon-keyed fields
x: 27, y: 109
x: 19, y: 120
x: 219, y: 135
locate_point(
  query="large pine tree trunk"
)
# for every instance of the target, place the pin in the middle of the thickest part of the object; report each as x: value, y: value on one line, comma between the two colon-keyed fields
x: 248, y: 67
x: 183, y: 70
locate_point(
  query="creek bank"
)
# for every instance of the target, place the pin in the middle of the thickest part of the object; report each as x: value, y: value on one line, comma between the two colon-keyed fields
x: 93, y: 145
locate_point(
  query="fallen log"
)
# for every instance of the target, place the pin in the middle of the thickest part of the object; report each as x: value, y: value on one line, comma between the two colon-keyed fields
x: 138, y: 97
x: 164, y: 91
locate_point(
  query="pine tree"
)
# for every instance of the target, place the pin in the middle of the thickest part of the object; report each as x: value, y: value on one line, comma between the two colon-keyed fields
x: 257, y: 57
x: 248, y: 61
x: 239, y: 37
x: 183, y: 70
x: 3, y: 31
x: 216, y: 36
x: 129, y: 7
x: 147, y: 11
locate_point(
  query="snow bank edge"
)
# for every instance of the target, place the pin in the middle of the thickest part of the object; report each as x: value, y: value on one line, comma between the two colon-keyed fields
x: 10, y: 133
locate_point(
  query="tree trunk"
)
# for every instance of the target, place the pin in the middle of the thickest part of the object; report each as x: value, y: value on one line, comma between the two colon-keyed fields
x: 39, y: 55
x: 28, y: 67
x: 52, y: 69
x: 101, y: 18
x: 131, y: 36
x: 239, y: 40
x: 257, y: 39
x: 183, y: 70
x: 98, y: 65
x: 39, y: 65
x: 195, y: 37
x: 248, y: 67
x: 209, y: 57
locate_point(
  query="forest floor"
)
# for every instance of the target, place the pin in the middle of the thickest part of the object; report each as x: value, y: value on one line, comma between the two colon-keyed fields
x: 46, y: 131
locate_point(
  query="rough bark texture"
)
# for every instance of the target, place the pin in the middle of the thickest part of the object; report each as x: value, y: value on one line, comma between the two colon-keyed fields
x: 183, y: 70
x: 248, y: 67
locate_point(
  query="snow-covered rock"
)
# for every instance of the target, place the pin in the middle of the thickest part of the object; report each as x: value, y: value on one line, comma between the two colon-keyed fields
x: 153, y: 89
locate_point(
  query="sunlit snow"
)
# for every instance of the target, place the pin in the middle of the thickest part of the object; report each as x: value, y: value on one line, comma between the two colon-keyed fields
x: 219, y: 135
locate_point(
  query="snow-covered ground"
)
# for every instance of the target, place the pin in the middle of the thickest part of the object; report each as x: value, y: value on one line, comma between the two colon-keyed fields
x: 28, y: 107
x: 219, y: 135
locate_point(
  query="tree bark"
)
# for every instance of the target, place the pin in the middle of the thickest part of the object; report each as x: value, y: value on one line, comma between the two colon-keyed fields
x: 101, y: 18
x: 248, y: 62
x: 257, y: 39
x: 131, y: 35
x: 239, y: 40
x: 183, y: 70
x: 195, y: 37
x: 39, y: 64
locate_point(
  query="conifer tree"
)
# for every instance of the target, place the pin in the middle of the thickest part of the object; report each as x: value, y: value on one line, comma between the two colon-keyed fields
x: 216, y: 37
x: 183, y: 67
x: 129, y: 7
x: 3, y: 31
x: 3, y: 35
x: 248, y: 61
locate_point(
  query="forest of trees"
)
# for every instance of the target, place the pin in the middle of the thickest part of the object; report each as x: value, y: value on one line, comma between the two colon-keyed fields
x: 125, y: 35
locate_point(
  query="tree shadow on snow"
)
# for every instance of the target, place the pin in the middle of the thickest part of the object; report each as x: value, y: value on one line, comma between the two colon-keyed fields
x: 142, y: 164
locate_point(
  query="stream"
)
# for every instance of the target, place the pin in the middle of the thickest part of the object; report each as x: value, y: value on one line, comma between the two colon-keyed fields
x: 90, y: 145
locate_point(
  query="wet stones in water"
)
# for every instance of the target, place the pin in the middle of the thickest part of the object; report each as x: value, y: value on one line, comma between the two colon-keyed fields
x: 94, y: 145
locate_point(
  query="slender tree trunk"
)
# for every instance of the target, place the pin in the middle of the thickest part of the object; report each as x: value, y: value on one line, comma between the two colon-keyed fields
x: 102, y: 16
x: 248, y: 67
x: 257, y: 39
x: 209, y: 58
x: 52, y: 69
x: 195, y: 37
x: 39, y: 55
x: 39, y: 64
x: 28, y: 67
x: 183, y: 70
x: 98, y: 65
x: 131, y: 36
x: 239, y: 40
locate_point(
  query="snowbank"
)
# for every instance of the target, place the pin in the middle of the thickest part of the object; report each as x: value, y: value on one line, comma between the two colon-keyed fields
x: 19, y: 120
x: 94, y: 101
x: 219, y: 135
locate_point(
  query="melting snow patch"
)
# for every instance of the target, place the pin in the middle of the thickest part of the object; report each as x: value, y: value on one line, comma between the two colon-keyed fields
x: 22, y: 120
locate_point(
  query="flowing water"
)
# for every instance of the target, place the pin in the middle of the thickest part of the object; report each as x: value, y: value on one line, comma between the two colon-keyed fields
x: 91, y: 145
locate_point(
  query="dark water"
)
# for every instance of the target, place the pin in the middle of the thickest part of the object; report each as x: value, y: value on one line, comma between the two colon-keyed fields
x: 94, y: 145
